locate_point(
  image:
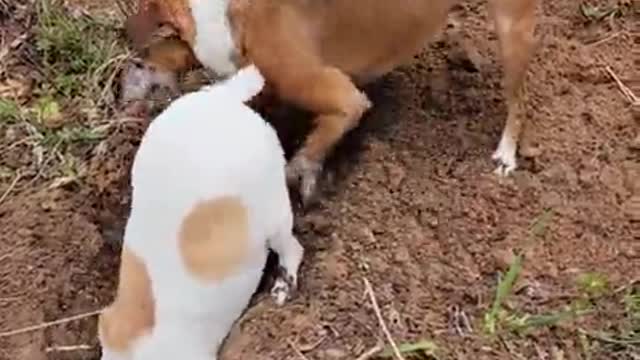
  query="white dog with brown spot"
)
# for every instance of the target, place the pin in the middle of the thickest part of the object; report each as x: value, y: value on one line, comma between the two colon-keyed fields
x: 209, y: 200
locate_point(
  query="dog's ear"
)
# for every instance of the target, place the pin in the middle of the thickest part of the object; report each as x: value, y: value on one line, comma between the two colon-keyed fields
x: 146, y: 25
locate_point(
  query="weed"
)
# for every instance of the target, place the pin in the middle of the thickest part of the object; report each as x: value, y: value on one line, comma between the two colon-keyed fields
x: 595, y: 13
x: 632, y: 309
x: 78, y: 53
x: 537, y: 228
x: 593, y: 284
x: 79, y: 57
x: 540, y: 224
x: 424, y: 347
x: 503, y: 290
x: 9, y: 111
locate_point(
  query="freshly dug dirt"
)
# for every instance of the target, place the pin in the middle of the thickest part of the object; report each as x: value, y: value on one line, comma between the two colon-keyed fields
x: 411, y: 204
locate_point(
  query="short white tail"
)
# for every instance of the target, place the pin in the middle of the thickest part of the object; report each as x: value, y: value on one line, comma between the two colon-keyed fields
x: 243, y: 85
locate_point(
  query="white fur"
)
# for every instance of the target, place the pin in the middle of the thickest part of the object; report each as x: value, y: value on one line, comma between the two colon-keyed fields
x: 206, y: 144
x: 505, y: 155
x: 214, y: 43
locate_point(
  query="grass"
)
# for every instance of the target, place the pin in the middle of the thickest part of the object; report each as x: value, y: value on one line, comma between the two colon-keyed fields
x: 597, y: 13
x: 76, y: 59
x: 420, y: 348
x: 79, y: 53
x: 632, y: 308
x: 505, y: 285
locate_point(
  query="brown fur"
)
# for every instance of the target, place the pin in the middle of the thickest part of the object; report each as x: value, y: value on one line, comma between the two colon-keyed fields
x: 312, y: 53
x: 172, y: 54
x: 131, y: 314
x: 214, y: 238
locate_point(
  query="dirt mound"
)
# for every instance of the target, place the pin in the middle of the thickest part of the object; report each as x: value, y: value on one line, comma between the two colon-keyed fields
x: 51, y: 252
x: 410, y: 203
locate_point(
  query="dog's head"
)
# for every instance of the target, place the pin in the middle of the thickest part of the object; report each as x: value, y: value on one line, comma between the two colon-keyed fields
x: 158, y: 32
x: 156, y: 20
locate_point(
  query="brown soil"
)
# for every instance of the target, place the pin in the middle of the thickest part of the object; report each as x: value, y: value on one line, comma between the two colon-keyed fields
x: 411, y: 204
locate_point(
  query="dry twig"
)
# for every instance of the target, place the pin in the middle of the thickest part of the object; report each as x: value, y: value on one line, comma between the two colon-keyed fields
x: 49, y: 324
x: 631, y: 97
x: 67, y: 348
x: 376, y: 309
x: 371, y: 352
x: 296, y: 350
x: 606, y: 38
x: 10, y: 188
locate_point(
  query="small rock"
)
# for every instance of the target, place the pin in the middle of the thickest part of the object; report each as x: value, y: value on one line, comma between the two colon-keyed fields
x: 321, y: 225
x: 561, y: 173
x: 612, y: 178
x: 551, y: 199
x: 632, y: 176
x: 335, y: 354
x: 588, y: 176
x: 635, y: 143
x: 503, y: 258
x: 396, y: 175
x: 632, y: 208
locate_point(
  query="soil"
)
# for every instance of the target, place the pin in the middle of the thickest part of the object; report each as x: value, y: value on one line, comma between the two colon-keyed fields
x: 410, y: 203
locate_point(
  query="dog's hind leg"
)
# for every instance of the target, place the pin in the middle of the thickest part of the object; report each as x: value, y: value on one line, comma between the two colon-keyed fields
x: 515, y: 24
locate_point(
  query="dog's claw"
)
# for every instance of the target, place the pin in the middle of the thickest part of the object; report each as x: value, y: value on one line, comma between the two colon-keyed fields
x: 284, y: 287
x: 303, y: 172
x: 505, y: 155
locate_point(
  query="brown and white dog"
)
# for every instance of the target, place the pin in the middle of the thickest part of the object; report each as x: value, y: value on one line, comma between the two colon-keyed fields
x: 209, y: 200
x: 315, y: 53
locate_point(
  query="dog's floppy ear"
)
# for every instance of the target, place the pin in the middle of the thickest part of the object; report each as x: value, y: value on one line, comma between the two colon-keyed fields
x: 146, y: 25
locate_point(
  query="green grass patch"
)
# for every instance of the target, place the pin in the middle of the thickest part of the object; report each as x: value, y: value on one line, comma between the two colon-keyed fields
x: 9, y: 111
x: 420, y: 348
x: 79, y: 54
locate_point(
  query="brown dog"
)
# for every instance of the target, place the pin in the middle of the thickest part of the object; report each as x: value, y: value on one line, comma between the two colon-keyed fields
x: 314, y: 54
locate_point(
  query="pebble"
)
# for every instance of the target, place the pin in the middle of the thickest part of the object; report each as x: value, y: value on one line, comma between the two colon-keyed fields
x: 335, y: 354
x: 632, y: 208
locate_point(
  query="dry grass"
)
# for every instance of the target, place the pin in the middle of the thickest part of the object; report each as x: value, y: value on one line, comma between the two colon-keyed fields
x: 54, y: 114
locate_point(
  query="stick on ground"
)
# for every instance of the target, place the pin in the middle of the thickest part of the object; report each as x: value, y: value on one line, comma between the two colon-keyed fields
x: 10, y: 188
x: 371, y: 352
x: 376, y: 309
x: 631, y: 97
x: 48, y: 324
x: 296, y: 350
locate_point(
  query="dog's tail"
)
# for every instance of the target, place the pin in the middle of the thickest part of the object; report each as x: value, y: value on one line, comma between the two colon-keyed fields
x: 244, y: 84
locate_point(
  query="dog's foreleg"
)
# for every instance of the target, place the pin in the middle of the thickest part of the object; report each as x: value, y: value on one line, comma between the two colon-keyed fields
x: 338, y: 106
x: 515, y: 25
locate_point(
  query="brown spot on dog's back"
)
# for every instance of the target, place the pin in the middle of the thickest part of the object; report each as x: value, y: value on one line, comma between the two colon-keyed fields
x: 131, y: 314
x: 214, y: 238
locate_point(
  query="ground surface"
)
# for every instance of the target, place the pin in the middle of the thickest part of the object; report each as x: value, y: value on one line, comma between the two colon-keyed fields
x: 412, y: 206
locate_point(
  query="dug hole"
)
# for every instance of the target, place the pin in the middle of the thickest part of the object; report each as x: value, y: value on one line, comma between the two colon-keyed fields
x: 209, y: 200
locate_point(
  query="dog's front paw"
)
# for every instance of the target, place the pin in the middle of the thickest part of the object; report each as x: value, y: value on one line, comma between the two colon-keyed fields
x: 505, y: 156
x: 304, y: 173
x: 284, y: 287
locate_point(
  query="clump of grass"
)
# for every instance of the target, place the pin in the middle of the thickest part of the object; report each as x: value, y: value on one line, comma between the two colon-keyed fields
x: 632, y: 305
x: 76, y: 60
x: 79, y: 54
x: 505, y: 285
x: 596, y: 13
x: 593, y: 284
x: 9, y: 111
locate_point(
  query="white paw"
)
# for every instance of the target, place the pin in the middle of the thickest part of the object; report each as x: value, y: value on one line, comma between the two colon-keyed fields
x: 505, y: 155
x: 283, y: 289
